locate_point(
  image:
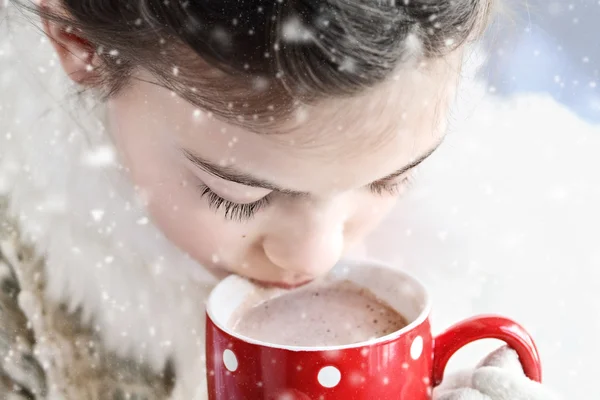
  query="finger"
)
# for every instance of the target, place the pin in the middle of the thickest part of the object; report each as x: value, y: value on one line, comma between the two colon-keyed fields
x: 505, y: 358
x: 460, y: 394
x: 500, y: 384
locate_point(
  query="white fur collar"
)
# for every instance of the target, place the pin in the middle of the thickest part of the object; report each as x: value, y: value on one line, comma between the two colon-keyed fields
x: 73, y: 201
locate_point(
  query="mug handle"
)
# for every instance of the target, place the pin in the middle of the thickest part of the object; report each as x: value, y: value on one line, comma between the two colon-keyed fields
x: 486, y: 327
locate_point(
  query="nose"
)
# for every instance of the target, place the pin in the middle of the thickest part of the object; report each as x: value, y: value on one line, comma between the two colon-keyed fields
x: 310, y: 243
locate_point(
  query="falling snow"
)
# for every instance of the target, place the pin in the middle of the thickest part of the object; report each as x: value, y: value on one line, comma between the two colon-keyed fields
x: 97, y: 214
x: 100, y: 157
x: 294, y: 31
x: 347, y: 65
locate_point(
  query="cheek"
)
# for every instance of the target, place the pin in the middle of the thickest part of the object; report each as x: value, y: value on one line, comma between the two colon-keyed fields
x: 369, y: 215
x: 187, y: 221
x: 178, y: 210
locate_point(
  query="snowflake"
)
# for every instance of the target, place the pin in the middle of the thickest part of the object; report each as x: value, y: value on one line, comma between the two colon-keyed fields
x: 293, y: 31
x: 413, y: 44
x: 221, y: 36
x: 102, y: 156
x: 348, y: 65
x: 97, y: 214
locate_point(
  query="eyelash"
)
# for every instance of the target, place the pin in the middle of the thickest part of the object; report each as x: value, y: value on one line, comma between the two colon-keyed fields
x: 391, y: 189
x: 243, y: 212
x: 233, y: 211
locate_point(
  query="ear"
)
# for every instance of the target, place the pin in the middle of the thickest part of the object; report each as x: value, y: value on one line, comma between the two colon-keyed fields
x: 77, y: 56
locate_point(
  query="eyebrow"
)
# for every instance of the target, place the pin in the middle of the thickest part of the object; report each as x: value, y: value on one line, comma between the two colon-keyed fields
x: 232, y: 174
x: 410, y: 166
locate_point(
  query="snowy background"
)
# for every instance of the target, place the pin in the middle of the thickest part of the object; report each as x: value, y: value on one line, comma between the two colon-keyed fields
x: 505, y: 218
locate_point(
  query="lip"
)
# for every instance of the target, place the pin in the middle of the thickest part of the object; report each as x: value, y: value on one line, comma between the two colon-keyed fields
x: 281, y: 285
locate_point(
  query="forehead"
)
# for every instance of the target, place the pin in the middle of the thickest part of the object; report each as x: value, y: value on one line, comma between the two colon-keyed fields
x: 347, y: 142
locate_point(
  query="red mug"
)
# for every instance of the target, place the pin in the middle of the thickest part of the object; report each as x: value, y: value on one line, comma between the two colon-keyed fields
x: 404, y: 365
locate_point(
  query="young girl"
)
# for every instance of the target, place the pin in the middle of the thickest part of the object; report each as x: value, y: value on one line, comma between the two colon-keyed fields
x: 263, y: 138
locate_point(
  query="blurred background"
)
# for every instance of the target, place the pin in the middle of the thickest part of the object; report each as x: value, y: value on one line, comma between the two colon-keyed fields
x: 548, y: 46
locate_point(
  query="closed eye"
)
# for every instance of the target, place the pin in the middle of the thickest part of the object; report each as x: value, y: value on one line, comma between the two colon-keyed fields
x: 391, y: 188
x: 233, y: 211
x: 246, y: 211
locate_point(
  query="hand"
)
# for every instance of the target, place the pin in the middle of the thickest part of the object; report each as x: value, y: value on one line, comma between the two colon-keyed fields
x: 498, y: 377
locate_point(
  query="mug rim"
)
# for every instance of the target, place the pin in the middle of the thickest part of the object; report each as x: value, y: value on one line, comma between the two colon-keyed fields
x: 421, y: 318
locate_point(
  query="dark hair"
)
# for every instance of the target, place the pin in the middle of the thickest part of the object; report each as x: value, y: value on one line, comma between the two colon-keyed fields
x: 240, y: 58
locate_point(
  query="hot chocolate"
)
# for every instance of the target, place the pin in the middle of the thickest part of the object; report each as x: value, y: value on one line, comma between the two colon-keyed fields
x: 331, y: 314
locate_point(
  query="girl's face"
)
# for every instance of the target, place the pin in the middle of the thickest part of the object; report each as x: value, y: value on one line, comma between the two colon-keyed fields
x: 279, y: 207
